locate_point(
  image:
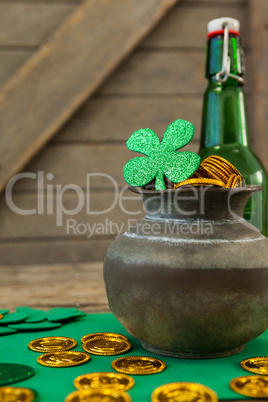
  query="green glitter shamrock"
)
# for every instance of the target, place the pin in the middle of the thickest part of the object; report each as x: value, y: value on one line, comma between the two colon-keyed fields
x: 162, y: 158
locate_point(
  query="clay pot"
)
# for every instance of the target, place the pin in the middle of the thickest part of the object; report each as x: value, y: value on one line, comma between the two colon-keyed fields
x: 191, y: 278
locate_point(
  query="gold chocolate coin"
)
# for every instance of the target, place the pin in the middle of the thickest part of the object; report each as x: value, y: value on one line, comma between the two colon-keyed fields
x: 138, y: 365
x: 106, y: 346
x: 105, y: 334
x: 216, y: 171
x: 255, y: 386
x: 52, y: 343
x: 63, y: 359
x: 120, y: 382
x: 223, y: 162
x: 199, y: 182
x: 1, y: 316
x: 184, y: 392
x: 16, y: 394
x: 98, y: 395
x: 258, y: 365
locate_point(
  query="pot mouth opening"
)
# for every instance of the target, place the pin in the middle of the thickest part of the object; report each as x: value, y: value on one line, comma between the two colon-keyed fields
x: 247, y: 189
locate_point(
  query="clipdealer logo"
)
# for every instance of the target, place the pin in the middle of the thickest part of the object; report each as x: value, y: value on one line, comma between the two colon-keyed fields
x: 50, y: 197
x: 51, y: 201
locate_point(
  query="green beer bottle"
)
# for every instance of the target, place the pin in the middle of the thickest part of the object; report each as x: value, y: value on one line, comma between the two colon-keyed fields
x: 224, y: 121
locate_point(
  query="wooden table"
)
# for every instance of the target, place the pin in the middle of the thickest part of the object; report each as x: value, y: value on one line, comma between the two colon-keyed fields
x: 59, y: 285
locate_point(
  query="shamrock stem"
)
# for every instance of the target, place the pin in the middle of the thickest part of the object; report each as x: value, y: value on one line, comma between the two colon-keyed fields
x: 160, y: 182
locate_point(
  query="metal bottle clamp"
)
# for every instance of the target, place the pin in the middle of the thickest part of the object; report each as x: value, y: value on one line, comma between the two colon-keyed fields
x: 224, y: 74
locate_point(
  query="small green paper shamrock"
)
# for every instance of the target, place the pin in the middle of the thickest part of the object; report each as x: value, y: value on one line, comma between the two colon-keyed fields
x: 162, y: 158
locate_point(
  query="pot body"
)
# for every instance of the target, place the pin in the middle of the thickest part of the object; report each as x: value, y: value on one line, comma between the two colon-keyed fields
x: 191, y: 279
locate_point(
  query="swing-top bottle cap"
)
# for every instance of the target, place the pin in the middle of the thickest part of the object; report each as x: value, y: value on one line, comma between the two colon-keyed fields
x: 217, y: 25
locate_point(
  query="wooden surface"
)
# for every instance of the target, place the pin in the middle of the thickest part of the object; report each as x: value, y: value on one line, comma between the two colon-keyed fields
x: 159, y: 82
x: 259, y: 19
x: 64, y: 73
x: 24, y: 26
x: 11, y: 61
x: 48, y: 286
x: 212, y: 2
x: 42, y: 1
x: 29, y: 25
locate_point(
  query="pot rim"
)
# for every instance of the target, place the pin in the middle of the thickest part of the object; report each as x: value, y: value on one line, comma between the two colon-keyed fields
x: 248, y: 188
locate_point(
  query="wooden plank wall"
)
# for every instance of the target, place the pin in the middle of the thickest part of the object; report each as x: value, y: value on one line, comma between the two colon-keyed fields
x: 161, y: 81
x: 23, y: 27
x: 51, y: 86
x: 259, y: 13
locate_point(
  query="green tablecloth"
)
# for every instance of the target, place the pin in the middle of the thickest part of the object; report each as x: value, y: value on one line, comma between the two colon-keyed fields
x: 54, y: 384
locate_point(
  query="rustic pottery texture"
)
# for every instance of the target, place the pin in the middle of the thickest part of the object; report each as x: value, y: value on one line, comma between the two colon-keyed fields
x: 191, y: 278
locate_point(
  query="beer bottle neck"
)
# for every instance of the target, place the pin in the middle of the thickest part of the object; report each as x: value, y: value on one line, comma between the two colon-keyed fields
x: 217, y: 53
x: 224, y: 122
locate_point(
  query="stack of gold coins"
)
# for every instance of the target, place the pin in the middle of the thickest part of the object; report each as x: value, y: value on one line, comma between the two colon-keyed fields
x: 215, y: 171
x: 254, y: 386
x: 106, y: 344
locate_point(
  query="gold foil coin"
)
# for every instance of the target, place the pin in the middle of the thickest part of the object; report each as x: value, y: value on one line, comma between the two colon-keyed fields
x: 98, y: 395
x: 183, y: 392
x: 120, y: 382
x: 63, y: 359
x: 255, y: 386
x: 16, y: 394
x: 258, y: 365
x: 224, y: 162
x: 216, y: 171
x: 52, y: 343
x: 106, y: 346
x: 139, y: 365
x: 1, y: 316
x: 199, y: 182
x: 104, y: 334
